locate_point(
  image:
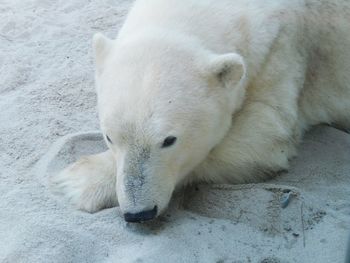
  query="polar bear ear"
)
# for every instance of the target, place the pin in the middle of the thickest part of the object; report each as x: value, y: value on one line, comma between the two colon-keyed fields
x: 102, y: 45
x: 229, y: 69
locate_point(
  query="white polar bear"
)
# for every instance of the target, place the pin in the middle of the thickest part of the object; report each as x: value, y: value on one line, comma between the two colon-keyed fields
x: 209, y: 91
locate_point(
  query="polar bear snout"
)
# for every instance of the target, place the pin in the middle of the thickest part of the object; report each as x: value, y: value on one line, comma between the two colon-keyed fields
x: 144, y: 185
x: 141, y: 216
x: 142, y: 202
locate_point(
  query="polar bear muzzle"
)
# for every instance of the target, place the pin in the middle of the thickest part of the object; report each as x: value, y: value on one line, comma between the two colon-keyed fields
x: 143, y: 187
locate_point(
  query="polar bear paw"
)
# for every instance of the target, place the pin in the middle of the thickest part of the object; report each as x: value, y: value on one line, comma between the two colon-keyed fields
x: 88, y: 184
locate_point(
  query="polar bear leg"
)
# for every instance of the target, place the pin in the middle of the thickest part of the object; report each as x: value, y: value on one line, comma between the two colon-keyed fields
x: 89, y: 183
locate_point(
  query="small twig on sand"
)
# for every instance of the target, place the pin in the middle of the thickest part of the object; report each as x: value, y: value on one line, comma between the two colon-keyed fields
x: 302, y: 221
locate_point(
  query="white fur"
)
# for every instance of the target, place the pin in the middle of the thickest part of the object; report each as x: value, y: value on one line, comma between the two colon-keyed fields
x: 237, y: 82
x: 89, y: 184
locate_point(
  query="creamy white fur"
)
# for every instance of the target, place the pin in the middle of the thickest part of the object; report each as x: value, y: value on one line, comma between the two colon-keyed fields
x: 237, y: 82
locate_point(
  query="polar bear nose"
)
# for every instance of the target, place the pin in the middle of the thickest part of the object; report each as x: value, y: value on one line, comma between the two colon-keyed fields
x: 141, y: 216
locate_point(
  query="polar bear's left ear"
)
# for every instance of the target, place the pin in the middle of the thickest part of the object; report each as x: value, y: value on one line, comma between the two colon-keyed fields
x: 229, y: 68
x: 101, y: 45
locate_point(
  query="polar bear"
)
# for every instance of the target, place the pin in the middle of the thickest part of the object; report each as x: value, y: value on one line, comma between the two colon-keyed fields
x: 209, y: 91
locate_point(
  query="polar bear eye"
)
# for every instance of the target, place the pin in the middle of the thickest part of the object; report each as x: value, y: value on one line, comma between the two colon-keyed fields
x: 170, y: 140
x: 109, y: 139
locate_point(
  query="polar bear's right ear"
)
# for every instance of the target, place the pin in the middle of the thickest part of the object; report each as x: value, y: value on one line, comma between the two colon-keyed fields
x: 229, y: 68
x: 101, y: 45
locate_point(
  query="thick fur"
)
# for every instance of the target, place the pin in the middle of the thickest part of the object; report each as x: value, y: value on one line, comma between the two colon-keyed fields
x: 237, y: 82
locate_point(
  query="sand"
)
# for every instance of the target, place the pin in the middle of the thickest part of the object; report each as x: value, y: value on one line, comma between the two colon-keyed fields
x: 48, y: 119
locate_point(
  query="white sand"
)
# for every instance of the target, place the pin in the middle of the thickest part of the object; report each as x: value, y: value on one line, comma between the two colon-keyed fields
x: 47, y: 92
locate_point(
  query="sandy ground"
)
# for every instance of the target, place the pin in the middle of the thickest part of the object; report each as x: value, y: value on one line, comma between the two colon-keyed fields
x: 47, y: 110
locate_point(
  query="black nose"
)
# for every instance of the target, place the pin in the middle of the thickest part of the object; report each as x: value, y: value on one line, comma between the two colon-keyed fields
x: 141, y: 216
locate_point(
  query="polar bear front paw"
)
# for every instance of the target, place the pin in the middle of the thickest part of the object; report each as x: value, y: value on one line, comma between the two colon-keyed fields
x: 89, y: 184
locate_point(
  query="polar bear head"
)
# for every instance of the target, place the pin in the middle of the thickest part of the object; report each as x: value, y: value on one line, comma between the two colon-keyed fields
x: 164, y: 103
